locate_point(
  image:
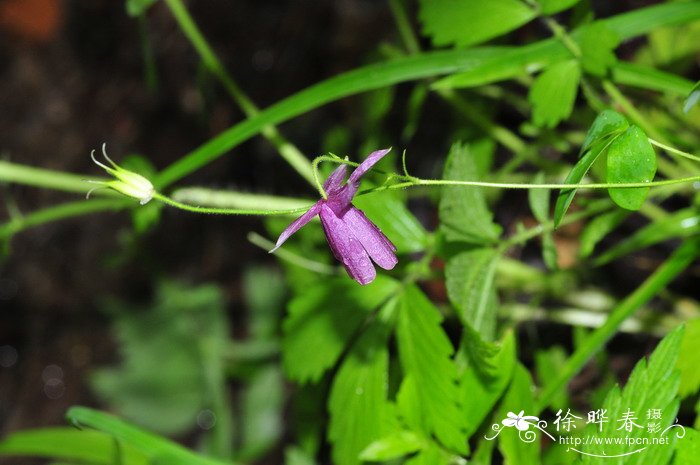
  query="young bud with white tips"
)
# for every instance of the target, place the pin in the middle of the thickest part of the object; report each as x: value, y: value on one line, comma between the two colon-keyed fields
x: 127, y: 182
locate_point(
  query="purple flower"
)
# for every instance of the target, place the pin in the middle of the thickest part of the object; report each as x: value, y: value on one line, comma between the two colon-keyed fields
x: 353, y: 238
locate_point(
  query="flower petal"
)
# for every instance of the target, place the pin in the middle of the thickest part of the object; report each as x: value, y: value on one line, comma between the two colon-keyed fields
x: 377, y: 245
x: 334, y: 181
x: 297, y: 224
x: 340, y: 200
x: 346, y: 247
x: 366, y: 165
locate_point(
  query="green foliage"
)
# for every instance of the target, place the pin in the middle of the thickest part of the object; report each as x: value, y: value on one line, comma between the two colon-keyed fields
x: 156, y: 448
x: 689, y: 359
x: 464, y: 215
x: 322, y: 320
x: 162, y: 383
x: 358, y: 406
x: 518, y: 397
x: 597, y: 43
x: 451, y: 22
x: 652, y: 385
x: 598, y: 228
x: 553, y: 93
x: 607, y: 125
x: 488, y: 372
x: 688, y: 449
x: 539, y: 205
x: 469, y: 277
x: 575, y: 176
x: 393, y: 446
x: 71, y: 445
x: 550, y: 7
x: 426, y: 358
x: 693, y: 98
x: 388, y: 211
x: 631, y: 158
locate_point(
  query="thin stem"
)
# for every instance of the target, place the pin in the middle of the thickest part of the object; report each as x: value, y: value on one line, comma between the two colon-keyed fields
x: 560, y: 33
x: 289, y: 152
x: 674, y: 150
x: 403, y: 24
x: 59, y: 212
x: 506, y: 185
x: 49, y: 179
x: 681, y: 258
x: 225, y: 211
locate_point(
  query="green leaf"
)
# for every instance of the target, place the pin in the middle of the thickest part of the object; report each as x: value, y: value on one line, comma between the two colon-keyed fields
x: 393, y: 446
x: 550, y: 7
x: 608, y: 123
x: 450, y: 22
x: 262, y: 412
x: 389, y: 212
x: 469, y: 279
x: 138, y: 7
x: 414, y: 109
x: 689, y: 359
x: 580, y: 169
x: 464, y: 215
x: 688, y: 449
x: 693, y: 98
x: 651, y: 385
x: 322, y: 320
x: 553, y: 93
x: 161, y: 382
x: 598, y: 228
x: 69, y: 444
x: 597, y: 43
x: 433, y: 455
x: 518, y: 397
x: 486, y: 377
x: 425, y: 353
x: 156, y: 448
x: 643, y: 77
x: 631, y: 158
x: 683, y: 223
x: 358, y: 404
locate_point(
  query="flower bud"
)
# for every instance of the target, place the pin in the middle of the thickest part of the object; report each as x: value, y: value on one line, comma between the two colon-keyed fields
x: 127, y: 182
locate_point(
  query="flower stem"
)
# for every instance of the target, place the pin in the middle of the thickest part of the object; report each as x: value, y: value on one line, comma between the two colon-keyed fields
x: 225, y: 211
x: 674, y: 150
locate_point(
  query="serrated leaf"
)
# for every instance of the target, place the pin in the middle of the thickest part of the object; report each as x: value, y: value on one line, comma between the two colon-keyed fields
x: 393, y: 446
x: 652, y: 385
x: 553, y: 93
x: 464, y: 215
x: 359, y: 412
x: 683, y: 223
x: 321, y: 321
x: 607, y: 124
x: 389, y: 212
x: 518, y: 397
x: 486, y: 377
x: 631, y: 159
x: 689, y: 359
x: 69, y: 444
x: 550, y: 7
x: 426, y: 356
x: 597, y: 43
x: 469, y: 279
x: 450, y: 22
x: 598, y: 228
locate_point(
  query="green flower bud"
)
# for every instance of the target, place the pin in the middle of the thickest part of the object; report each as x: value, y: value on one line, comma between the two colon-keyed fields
x: 127, y: 182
